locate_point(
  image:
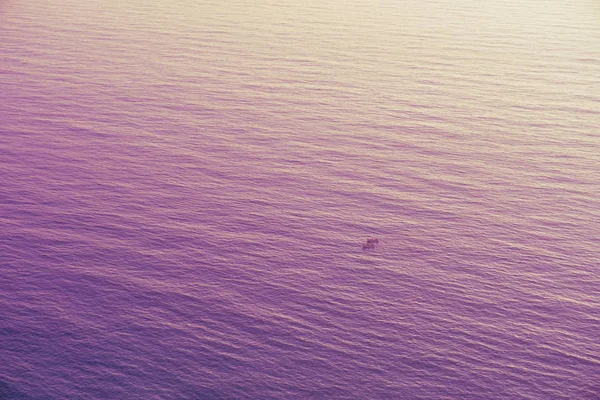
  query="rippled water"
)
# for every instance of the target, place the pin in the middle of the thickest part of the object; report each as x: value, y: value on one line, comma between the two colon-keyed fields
x: 185, y: 188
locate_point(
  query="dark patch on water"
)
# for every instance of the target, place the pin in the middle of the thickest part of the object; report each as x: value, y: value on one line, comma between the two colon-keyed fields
x: 204, y: 393
x: 8, y: 393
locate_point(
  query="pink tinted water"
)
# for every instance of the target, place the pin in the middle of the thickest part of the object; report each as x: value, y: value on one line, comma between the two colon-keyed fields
x: 185, y: 188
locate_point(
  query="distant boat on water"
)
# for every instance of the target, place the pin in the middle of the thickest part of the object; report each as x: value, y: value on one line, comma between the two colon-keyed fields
x: 370, y: 244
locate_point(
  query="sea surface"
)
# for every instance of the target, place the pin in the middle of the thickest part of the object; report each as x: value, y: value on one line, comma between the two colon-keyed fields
x: 186, y: 187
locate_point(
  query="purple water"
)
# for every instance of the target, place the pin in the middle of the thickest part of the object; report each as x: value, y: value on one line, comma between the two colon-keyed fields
x: 185, y: 189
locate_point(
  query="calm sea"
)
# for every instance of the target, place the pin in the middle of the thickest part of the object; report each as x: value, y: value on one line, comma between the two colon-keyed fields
x: 186, y: 187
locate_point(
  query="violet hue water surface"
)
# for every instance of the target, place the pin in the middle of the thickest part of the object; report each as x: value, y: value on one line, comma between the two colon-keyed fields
x: 185, y: 188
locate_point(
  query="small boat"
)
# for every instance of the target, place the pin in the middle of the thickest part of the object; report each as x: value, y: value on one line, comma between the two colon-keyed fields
x: 370, y: 245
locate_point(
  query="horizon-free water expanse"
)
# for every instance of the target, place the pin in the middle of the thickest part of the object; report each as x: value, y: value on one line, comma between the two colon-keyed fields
x: 185, y: 188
